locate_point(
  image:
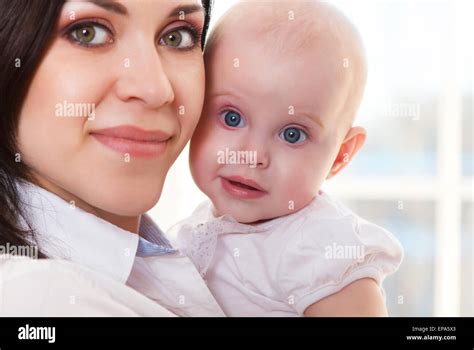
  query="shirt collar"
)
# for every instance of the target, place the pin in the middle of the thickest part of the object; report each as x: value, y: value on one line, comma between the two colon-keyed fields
x: 152, y: 240
x: 68, y: 232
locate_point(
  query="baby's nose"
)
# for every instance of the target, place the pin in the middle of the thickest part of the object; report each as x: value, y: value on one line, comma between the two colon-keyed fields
x: 258, y: 158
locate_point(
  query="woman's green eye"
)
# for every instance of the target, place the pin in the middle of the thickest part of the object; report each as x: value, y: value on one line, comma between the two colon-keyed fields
x: 182, y: 38
x: 90, y: 34
x: 173, y: 39
x: 86, y: 34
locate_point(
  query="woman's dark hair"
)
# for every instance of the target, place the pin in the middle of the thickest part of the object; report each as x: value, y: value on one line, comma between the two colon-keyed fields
x: 26, y: 29
x: 207, y: 4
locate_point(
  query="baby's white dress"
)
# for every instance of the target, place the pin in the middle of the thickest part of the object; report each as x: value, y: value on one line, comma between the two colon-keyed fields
x: 282, y: 266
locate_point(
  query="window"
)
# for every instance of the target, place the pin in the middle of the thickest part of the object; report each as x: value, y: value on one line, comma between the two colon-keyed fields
x: 419, y: 153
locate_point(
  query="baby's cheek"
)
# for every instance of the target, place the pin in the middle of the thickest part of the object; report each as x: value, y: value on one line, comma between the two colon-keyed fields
x: 297, y: 190
x: 203, y: 159
x: 217, y: 141
x: 297, y: 196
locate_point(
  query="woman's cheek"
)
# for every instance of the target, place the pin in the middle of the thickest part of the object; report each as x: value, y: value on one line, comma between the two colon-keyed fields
x: 188, y: 84
x: 44, y: 119
x: 73, y: 81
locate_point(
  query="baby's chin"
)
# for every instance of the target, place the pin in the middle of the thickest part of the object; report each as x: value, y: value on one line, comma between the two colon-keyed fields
x: 242, y: 216
x: 245, y: 213
x: 250, y: 212
x: 239, y: 211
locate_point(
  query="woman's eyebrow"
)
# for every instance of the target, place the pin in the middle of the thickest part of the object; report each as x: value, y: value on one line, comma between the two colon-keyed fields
x: 111, y: 6
x: 186, y: 10
x: 122, y: 10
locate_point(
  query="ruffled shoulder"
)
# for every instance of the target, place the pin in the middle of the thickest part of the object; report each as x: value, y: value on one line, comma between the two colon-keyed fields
x: 327, y: 254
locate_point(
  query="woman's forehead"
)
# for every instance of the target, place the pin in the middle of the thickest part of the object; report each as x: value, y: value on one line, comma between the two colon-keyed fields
x: 121, y: 7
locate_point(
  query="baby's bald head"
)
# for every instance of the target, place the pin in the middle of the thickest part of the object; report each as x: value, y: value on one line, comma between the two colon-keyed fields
x: 294, y: 28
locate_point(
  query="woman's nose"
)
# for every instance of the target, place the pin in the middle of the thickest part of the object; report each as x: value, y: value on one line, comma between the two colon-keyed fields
x: 144, y: 78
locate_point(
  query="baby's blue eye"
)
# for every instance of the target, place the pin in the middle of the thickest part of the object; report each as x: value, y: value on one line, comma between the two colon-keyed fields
x: 233, y: 119
x: 293, y: 135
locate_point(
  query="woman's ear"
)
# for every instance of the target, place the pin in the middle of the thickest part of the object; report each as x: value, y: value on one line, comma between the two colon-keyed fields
x: 352, y: 143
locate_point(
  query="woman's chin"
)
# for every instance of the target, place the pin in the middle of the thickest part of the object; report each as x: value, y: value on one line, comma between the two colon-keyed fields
x: 129, y: 201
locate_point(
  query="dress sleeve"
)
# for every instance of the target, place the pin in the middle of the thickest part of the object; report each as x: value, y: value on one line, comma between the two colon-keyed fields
x: 59, y: 288
x: 326, y: 255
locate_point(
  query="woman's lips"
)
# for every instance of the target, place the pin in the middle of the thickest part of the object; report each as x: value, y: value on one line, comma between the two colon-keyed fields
x: 241, y: 188
x: 135, y: 141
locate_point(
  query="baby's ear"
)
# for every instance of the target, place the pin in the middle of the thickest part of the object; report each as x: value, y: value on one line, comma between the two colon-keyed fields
x: 352, y: 143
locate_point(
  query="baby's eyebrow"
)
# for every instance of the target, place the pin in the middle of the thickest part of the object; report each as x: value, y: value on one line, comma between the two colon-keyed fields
x: 228, y: 92
x: 311, y: 118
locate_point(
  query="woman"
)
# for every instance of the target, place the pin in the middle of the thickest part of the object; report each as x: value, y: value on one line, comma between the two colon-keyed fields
x: 98, y: 98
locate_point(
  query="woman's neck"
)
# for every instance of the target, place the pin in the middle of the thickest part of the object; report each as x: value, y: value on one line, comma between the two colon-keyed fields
x: 128, y: 223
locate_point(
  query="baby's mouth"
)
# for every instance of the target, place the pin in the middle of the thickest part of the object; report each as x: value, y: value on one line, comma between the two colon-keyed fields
x: 242, y: 182
x: 241, y: 185
x: 242, y: 188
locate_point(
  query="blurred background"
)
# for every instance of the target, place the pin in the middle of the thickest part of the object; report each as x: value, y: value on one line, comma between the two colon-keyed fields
x: 414, y: 175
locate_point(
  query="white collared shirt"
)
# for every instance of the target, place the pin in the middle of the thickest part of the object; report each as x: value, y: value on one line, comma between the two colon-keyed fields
x: 95, y: 268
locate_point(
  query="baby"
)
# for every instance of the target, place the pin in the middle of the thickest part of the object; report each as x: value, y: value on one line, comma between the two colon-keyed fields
x: 284, y: 82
